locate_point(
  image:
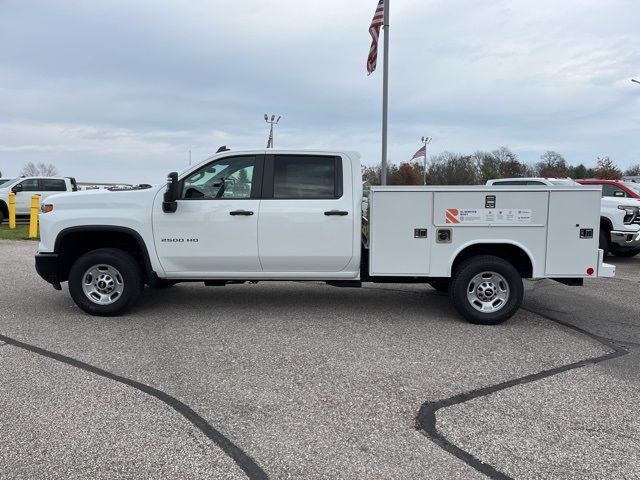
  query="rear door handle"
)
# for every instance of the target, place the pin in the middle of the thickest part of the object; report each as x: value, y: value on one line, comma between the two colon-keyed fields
x: 340, y: 213
x: 246, y: 213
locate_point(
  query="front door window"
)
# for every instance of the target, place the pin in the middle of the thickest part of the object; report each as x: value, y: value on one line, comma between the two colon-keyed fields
x: 228, y: 178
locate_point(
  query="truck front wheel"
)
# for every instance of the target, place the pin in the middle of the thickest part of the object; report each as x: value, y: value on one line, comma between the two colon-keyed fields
x: 625, y: 252
x: 486, y: 290
x: 105, y: 282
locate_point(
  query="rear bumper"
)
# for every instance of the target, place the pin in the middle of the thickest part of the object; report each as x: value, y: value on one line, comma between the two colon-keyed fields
x: 605, y: 269
x: 48, y: 267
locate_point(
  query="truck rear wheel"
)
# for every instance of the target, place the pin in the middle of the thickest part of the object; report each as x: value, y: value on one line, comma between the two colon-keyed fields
x: 486, y: 290
x: 105, y: 282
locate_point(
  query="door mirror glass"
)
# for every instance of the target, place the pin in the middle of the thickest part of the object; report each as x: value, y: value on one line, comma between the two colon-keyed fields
x: 618, y: 193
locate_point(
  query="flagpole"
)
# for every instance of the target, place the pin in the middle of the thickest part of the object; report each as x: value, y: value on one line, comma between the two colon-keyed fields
x: 385, y: 93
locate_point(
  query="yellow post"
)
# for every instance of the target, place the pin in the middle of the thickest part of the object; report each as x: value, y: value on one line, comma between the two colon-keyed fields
x: 33, y: 219
x: 12, y: 210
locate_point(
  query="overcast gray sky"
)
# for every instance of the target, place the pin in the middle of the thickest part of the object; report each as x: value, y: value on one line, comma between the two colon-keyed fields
x: 120, y: 90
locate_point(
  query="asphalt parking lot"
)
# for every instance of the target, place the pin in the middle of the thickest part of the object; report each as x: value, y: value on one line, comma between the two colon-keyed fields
x: 295, y: 380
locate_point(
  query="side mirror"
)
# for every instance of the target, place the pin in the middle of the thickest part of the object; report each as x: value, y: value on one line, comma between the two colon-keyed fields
x: 170, y: 204
x: 17, y: 188
x: 618, y: 193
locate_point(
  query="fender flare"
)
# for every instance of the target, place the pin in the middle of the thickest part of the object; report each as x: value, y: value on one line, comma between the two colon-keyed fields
x: 110, y: 228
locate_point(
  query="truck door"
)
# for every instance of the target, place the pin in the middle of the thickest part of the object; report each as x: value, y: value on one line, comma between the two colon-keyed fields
x: 307, y: 214
x: 214, y: 229
x: 30, y: 186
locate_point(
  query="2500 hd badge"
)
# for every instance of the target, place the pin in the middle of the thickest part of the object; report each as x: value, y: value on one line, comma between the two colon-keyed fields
x: 179, y: 240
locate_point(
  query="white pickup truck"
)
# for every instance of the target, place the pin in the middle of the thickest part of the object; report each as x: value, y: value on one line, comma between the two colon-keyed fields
x: 293, y: 215
x: 619, y: 211
x: 25, y: 187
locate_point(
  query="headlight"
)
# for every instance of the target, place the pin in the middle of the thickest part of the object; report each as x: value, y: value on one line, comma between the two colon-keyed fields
x: 46, y: 208
x: 630, y: 213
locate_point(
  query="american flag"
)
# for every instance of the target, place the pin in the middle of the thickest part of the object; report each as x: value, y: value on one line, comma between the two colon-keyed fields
x: 374, y: 31
x: 420, y: 153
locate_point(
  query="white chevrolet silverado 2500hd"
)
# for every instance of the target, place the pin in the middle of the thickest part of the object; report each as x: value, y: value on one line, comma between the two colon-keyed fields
x: 293, y: 215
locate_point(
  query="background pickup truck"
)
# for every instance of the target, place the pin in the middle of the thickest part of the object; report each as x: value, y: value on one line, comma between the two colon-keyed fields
x: 620, y: 216
x: 25, y: 187
x: 619, y: 211
x: 293, y: 215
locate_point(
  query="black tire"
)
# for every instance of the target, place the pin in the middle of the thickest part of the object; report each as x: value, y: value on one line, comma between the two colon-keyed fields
x: 126, y: 266
x: 472, y: 267
x: 604, y: 243
x: 625, y: 252
x: 440, y: 284
x: 3, y: 206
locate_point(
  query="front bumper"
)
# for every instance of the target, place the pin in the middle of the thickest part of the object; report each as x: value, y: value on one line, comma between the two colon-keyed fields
x: 625, y: 239
x: 48, y: 267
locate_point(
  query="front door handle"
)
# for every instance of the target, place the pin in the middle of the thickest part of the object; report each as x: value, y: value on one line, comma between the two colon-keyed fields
x: 241, y: 212
x: 340, y: 213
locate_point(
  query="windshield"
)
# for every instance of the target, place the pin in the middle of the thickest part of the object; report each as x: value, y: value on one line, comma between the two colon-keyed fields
x: 634, y: 187
x: 7, y: 180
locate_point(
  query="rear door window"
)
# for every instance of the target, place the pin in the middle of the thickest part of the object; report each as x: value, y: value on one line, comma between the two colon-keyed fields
x: 52, y: 185
x: 307, y: 177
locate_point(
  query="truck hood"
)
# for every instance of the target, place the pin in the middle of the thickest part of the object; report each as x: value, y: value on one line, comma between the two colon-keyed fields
x: 615, y: 201
x: 103, y: 199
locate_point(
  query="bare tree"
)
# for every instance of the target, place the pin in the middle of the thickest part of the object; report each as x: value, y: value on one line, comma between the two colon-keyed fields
x: 39, y: 170
x: 633, y: 170
x: 500, y: 163
x: 552, y: 164
x: 452, y: 169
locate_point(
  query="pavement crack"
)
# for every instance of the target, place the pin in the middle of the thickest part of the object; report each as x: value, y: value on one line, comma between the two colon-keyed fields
x: 426, y: 418
x: 244, y: 461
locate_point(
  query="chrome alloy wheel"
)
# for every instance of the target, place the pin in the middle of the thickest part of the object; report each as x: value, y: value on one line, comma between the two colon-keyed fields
x: 102, y: 284
x: 488, y: 292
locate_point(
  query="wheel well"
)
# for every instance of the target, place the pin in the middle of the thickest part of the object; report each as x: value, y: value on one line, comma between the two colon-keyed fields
x: 606, y: 224
x: 513, y: 254
x: 73, y: 244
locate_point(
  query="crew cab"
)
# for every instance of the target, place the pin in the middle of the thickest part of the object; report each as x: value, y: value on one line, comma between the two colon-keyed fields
x: 620, y: 216
x: 25, y: 187
x: 296, y: 215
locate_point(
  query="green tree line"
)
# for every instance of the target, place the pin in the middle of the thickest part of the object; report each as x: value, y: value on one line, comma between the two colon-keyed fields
x: 450, y: 168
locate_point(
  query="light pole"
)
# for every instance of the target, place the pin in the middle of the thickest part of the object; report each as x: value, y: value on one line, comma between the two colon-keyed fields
x: 273, y: 121
x: 425, y: 141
